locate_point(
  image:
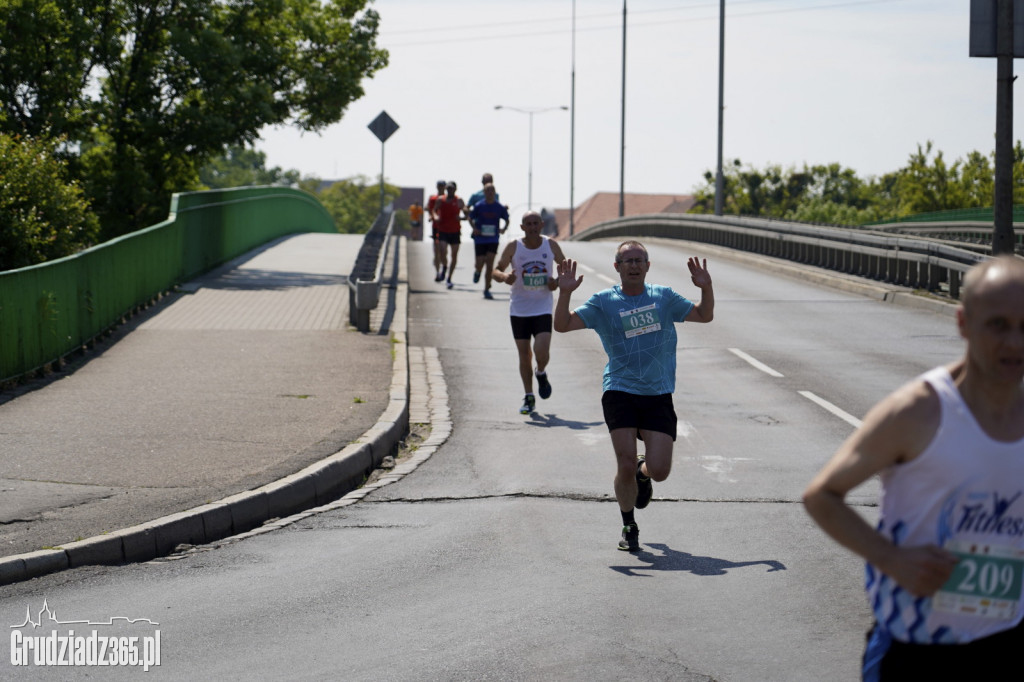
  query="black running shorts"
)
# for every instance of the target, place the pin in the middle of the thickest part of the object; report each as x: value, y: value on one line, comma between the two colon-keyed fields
x: 525, y: 327
x: 988, y: 658
x: 630, y: 411
x: 485, y: 248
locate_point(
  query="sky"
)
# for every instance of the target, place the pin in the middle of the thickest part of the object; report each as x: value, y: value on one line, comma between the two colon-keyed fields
x: 861, y: 83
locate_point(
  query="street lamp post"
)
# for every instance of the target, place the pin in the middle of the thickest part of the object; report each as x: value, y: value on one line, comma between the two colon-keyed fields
x: 531, y: 112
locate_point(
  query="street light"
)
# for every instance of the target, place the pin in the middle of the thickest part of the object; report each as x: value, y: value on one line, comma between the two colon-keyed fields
x: 531, y: 112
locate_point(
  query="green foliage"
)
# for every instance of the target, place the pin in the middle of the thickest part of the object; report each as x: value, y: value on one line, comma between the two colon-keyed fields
x: 244, y: 167
x: 833, y: 194
x: 146, y: 93
x: 353, y: 203
x: 43, y: 215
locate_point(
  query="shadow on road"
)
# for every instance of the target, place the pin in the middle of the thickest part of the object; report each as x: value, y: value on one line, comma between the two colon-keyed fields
x: 550, y: 420
x: 671, y: 560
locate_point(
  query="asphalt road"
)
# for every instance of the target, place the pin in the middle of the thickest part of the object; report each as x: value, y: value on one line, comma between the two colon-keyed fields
x: 495, y: 557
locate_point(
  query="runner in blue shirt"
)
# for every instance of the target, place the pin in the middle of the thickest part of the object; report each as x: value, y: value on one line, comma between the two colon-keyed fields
x: 485, y: 217
x: 636, y: 323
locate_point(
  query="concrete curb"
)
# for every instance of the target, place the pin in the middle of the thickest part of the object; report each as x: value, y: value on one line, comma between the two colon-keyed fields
x: 316, y: 485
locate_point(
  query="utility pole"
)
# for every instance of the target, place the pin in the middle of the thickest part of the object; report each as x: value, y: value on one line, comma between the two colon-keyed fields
x: 719, y: 177
x: 1002, y: 207
x: 992, y: 35
x: 622, y: 153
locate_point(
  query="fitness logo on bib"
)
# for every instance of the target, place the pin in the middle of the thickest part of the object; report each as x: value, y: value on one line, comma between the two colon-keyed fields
x: 640, y: 320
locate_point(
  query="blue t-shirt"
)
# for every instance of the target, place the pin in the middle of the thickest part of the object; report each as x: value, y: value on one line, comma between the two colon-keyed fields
x: 487, y: 218
x: 478, y: 196
x: 639, y: 335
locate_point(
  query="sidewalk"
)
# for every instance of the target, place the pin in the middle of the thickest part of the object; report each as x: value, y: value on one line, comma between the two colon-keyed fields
x: 211, y: 401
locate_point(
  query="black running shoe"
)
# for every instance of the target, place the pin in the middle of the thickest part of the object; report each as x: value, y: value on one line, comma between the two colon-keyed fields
x: 644, y: 488
x: 630, y: 541
x: 529, y: 402
x: 543, y: 386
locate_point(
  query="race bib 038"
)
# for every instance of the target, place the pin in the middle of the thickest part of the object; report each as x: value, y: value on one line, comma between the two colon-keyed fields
x: 640, y: 320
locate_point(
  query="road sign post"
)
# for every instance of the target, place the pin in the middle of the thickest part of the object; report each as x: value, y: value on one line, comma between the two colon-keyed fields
x: 383, y: 127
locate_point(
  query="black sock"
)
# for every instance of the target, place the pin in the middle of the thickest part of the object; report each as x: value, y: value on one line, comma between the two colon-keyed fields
x: 627, y: 518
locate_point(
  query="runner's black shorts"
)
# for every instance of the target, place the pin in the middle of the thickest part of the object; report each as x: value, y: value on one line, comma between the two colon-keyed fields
x: 525, y: 327
x: 448, y: 237
x: 988, y: 658
x: 485, y: 248
x: 630, y: 411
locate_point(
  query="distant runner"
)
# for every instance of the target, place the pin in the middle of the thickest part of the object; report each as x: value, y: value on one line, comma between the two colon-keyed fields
x: 485, y: 216
x: 532, y: 259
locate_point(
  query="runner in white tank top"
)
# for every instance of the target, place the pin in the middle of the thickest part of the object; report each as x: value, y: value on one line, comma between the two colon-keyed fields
x: 946, y: 562
x: 531, y: 262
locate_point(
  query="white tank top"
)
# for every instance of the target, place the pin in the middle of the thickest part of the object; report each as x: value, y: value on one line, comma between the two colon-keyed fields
x: 530, y: 294
x: 965, y: 493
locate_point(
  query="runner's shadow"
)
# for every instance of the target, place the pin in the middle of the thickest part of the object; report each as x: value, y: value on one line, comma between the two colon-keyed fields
x: 671, y: 560
x: 550, y: 420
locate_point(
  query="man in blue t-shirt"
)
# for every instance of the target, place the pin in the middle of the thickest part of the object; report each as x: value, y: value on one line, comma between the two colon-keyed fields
x: 485, y: 217
x: 636, y: 323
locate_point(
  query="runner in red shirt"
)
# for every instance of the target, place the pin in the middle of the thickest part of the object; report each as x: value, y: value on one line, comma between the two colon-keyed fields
x: 438, y: 272
x: 448, y: 212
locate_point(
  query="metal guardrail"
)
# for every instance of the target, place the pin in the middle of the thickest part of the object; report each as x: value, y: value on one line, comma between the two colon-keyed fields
x: 974, y: 235
x: 367, y: 278
x: 916, y: 262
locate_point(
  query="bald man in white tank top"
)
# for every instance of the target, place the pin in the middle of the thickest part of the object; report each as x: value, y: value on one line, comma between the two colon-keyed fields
x: 945, y: 564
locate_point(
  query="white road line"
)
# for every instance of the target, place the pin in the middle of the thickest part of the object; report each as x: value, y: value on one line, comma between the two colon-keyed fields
x: 597, y: 274
x: 845, y: 416
x: 755, y: 362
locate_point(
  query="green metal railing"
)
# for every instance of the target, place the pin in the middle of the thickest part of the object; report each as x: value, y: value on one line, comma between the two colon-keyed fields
x: 50, y: 310
x: 984, y: 215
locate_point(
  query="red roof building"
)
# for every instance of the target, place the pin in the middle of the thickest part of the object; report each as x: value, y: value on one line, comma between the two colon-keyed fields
x: 605, y: 206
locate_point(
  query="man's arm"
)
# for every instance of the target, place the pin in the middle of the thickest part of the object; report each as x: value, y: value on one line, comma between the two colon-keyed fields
x: 895, y: 431
x: 704, y: 311
x: 563, y: 320
x: 498, y: 274
x: 556, y: 254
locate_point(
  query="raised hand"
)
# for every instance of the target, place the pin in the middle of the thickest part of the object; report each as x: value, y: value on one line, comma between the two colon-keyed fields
x: 567, y: 279
x: 699, y: 274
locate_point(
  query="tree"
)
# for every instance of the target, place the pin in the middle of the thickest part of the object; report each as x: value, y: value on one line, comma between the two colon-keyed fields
x: 147, y: 91
x: 243, y: 167
x: 43, y: 215
x: 833, y: 194
x: 353, y: 203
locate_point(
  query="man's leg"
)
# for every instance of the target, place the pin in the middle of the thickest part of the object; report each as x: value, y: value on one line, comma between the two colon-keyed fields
x: 657, y: 455
x: 442, y: 257
x: 478, y: 263
x: 488, y: 269
x: 624, y: 444
x: 542, y: 350
x: 455, y: 257
x: 525, y: 364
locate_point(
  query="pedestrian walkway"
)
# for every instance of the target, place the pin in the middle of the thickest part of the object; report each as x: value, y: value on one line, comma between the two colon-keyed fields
x: 231, y: 385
